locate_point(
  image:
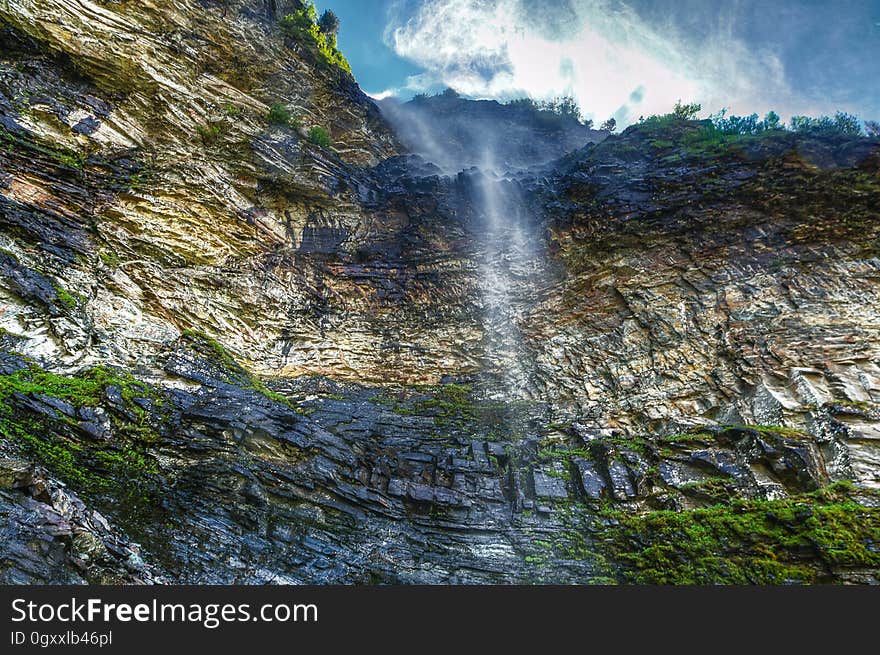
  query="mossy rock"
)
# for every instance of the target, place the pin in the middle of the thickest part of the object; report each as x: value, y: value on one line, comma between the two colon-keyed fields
x: 804, y: 539
x: 44, y: 414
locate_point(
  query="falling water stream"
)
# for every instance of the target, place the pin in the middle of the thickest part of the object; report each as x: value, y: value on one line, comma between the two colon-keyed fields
x: 510, y: 264
x: 507, y: 269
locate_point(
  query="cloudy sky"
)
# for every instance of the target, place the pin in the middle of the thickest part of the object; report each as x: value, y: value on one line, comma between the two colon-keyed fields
x: 623, y: 58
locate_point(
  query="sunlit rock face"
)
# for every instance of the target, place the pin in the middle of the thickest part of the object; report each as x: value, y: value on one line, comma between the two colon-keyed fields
x: 427, y: 355
x: 181, y: 205
x: 736, y: 285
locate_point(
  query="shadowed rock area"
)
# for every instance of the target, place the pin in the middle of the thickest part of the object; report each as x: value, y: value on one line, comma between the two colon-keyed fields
x: 456, y: 133
x: 230, y: 353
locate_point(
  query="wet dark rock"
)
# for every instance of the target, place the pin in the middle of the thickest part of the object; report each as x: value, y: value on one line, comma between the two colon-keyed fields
x: 31, y: 285
x: 50, y: 537
x: 549, y: 485
x: 197, y: 357
x: 325, y: 399
x: 620, y: 482
x: 87, y: 125
x: 309, y: 498
x: 592, y: 482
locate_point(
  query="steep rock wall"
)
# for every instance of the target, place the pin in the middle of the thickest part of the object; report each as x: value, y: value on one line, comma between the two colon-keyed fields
x: 268, y: 360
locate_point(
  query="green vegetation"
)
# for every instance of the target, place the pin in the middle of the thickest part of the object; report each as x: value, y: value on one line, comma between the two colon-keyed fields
x: 67, y: 299
x: 109, y: 257
x: 61, y: 456
x: 85, y: 389
x: 795, y: 540
x: 54, y: 438
x: 680, y: 129
x: 564, y: 474
x: 210, y: 132
x: 320, y: 37
x: 279, y: 115
x: 447, y: 401
x: 329, y: 23
x: 631, y: 443
x: 722, y: 133
x: 67, y: 157
x: 564, y: 453
x: 725, y: 124
x: 681, y: 112
x: 60, y: 154
x: 686, y: 437
x: 447, y: 94
x: 214, y: 348
x: 773, y: 430
x: 236, y: 373
x: 722, y: 129
x: 233, y: 111
x: 554, y: 111
x: 841, y: 123
x: 320, y: 137
x: 686, y: 112
x: 609, y: 126
x: 709, y: 141
x: 144, y: 177
x: 136, y: 181
x: 573, y: 542
x: 455, y: 408
x: 702, y: 435
x: 853, y: 404
x: 717, y: 489
x: 715, y: 135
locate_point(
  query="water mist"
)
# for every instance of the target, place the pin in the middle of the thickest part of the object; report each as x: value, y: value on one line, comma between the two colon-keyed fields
x: 510, y: 267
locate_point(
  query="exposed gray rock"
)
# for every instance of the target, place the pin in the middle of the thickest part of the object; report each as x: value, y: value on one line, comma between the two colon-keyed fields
x: 592, y: 482
x: 328, y: 391
x: 50, y: 537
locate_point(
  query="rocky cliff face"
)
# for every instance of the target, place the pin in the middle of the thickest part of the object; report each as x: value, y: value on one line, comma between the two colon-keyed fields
x: 231, y: 354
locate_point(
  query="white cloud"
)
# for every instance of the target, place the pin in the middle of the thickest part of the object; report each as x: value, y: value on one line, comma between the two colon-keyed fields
x: 599, y: 51
x: 382, y: 95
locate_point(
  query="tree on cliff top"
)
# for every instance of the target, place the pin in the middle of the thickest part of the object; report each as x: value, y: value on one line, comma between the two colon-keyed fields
x: 686, y: 112
x: 610, y: 125
x: 329, y: 23
x: 303, y: 27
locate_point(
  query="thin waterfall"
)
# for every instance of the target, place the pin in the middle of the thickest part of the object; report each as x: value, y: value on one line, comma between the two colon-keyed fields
x: 509, y: 266
x: 505, y: 269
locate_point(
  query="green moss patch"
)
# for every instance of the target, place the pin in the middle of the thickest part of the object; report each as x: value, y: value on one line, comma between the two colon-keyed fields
x: 210, y: 133
x: 798, y: 540
x: 67, y: 299
x: 461, y: 410
x: 53, y: 436
x: 41, y: 150
x: 278, y: 114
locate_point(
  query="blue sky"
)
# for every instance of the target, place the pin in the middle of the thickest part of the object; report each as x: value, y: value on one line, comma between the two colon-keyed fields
x: 623, y: 58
